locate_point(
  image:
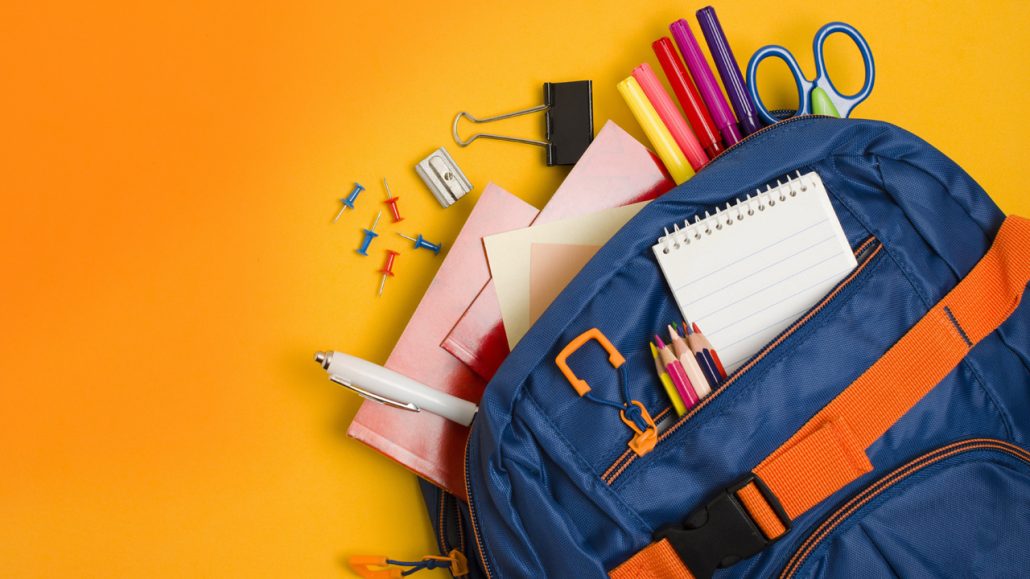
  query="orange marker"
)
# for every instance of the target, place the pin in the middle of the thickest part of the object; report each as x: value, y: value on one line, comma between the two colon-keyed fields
x: 677, y: 373
x: 686, y: 358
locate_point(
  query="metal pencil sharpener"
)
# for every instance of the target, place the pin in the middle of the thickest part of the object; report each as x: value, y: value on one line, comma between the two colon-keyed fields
x: 443, y: 177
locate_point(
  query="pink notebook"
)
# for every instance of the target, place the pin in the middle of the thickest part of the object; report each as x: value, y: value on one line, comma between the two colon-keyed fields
x: 431, y: 446
x: 615, y: 170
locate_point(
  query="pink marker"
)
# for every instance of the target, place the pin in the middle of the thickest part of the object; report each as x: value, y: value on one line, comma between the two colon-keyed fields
x: 678, y: 375
x: 670, y: 115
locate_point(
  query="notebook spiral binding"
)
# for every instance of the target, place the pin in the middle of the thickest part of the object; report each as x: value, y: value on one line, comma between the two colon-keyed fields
x: 712, y: 222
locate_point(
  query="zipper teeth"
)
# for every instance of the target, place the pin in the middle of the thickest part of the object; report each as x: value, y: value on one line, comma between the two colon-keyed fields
x: 628, y: 457
x: 440, y: 527
x: 775, y: 125
x: 840, y: 515
x: 472, y: 512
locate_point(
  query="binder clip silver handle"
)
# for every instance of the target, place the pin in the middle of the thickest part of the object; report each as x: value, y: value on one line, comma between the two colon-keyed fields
x: 465, y: 143
x: 568, y: 122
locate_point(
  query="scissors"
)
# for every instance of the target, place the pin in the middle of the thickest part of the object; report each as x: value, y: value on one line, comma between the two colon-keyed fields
x: 817, y: 96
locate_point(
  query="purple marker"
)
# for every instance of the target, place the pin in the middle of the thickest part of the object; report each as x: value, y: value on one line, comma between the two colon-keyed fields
x: 732, y: 80
x: 705, y: 82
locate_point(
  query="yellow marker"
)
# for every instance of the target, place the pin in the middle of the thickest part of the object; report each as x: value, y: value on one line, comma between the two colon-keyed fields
x: 674, y: 396
x: 656, y: 131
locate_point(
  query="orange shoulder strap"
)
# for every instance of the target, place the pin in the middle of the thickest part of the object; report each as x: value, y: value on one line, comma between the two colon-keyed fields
x: 828, y: 452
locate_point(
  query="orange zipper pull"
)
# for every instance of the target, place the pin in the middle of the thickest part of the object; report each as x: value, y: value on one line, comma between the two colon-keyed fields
x: 378, y: 567
x: 643, y: 440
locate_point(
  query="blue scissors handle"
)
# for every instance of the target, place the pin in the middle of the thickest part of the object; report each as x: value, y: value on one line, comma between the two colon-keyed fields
x: 804, y: 85
x: 843, y: 104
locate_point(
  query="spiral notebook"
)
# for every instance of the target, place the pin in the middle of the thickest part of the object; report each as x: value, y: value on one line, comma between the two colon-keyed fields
x: 750, y: 270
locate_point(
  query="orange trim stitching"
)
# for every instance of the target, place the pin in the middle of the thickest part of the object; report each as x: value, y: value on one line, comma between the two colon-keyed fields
x: 889, y: 480
x: 740, y: 371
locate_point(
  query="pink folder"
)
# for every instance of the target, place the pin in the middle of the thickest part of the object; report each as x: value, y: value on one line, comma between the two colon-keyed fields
x: 429, y: 445
x: 615, y: 170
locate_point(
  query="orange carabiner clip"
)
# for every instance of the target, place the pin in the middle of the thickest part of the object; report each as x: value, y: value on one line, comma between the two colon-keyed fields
x: 580, y: 385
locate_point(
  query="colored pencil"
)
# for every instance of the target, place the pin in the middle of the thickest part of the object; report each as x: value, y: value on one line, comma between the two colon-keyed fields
x: 670, y: 389
x: 686, y: 358
x: 705, y: 362
x: 711, y: 350
x: 677, y: 374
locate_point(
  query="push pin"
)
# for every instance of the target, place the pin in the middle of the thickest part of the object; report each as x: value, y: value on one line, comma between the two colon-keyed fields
x: 349, y: 200
x: 370, y: 234
x: 387, y: 269
x: 421, y: 243
x: 392, y: 202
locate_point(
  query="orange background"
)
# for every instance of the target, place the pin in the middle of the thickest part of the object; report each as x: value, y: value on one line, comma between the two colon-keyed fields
x: 169, y: 173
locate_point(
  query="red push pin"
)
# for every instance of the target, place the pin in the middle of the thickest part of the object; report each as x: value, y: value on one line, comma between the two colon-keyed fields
x: 392, y: 202
x: 387, y: 269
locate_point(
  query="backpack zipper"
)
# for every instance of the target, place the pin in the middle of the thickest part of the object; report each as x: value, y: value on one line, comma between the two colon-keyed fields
x: 817, y: 536
x: 480, y: 547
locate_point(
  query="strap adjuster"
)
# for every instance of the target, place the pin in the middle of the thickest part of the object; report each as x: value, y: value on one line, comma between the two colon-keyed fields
x: 721, y: 532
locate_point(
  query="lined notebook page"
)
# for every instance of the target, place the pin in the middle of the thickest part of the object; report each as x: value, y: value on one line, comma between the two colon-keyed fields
x: 748, y: 272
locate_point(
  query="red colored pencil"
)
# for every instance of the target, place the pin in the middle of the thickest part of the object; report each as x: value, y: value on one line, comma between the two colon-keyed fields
x: 711, y: 350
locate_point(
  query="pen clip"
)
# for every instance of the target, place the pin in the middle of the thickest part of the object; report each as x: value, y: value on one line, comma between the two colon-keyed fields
x: 373, y: 397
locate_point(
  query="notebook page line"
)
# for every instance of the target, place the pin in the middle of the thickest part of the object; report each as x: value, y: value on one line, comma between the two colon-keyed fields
x: 794, y: 295
x: 792, y: 316
x: 765, y: 288
x: 770, y: 246
x: 757, y: 271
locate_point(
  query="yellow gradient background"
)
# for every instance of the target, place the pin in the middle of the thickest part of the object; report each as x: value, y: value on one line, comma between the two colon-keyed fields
x: 169, y: 173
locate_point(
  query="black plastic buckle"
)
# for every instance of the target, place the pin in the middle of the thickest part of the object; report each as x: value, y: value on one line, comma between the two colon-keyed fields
x: 722, y: 532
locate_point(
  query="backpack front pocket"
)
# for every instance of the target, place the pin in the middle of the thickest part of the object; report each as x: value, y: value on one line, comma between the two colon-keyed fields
x: 962, y: 510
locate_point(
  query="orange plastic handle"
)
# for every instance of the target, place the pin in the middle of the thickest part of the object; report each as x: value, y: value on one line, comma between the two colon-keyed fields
x: 373, y: 567
x: 614, y: 357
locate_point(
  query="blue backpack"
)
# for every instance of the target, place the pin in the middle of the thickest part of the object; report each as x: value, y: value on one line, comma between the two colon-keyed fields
x: 883, y: 434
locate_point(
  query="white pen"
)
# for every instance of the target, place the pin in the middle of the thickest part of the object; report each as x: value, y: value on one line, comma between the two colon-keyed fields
x: 385, y: 386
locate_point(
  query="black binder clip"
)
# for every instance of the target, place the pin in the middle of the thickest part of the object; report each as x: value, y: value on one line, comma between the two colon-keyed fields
x: 569, y: 121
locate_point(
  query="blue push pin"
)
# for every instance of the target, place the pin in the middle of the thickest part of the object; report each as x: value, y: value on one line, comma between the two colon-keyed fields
x: 349, y: 200
x: 370, y: 234
x: 421, y: 243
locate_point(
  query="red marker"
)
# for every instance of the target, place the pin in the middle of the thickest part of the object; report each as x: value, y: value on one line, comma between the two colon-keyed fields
x: 688, y: 96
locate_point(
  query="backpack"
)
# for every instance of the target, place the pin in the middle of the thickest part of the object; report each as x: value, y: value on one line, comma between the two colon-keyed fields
x: 884, y: 433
